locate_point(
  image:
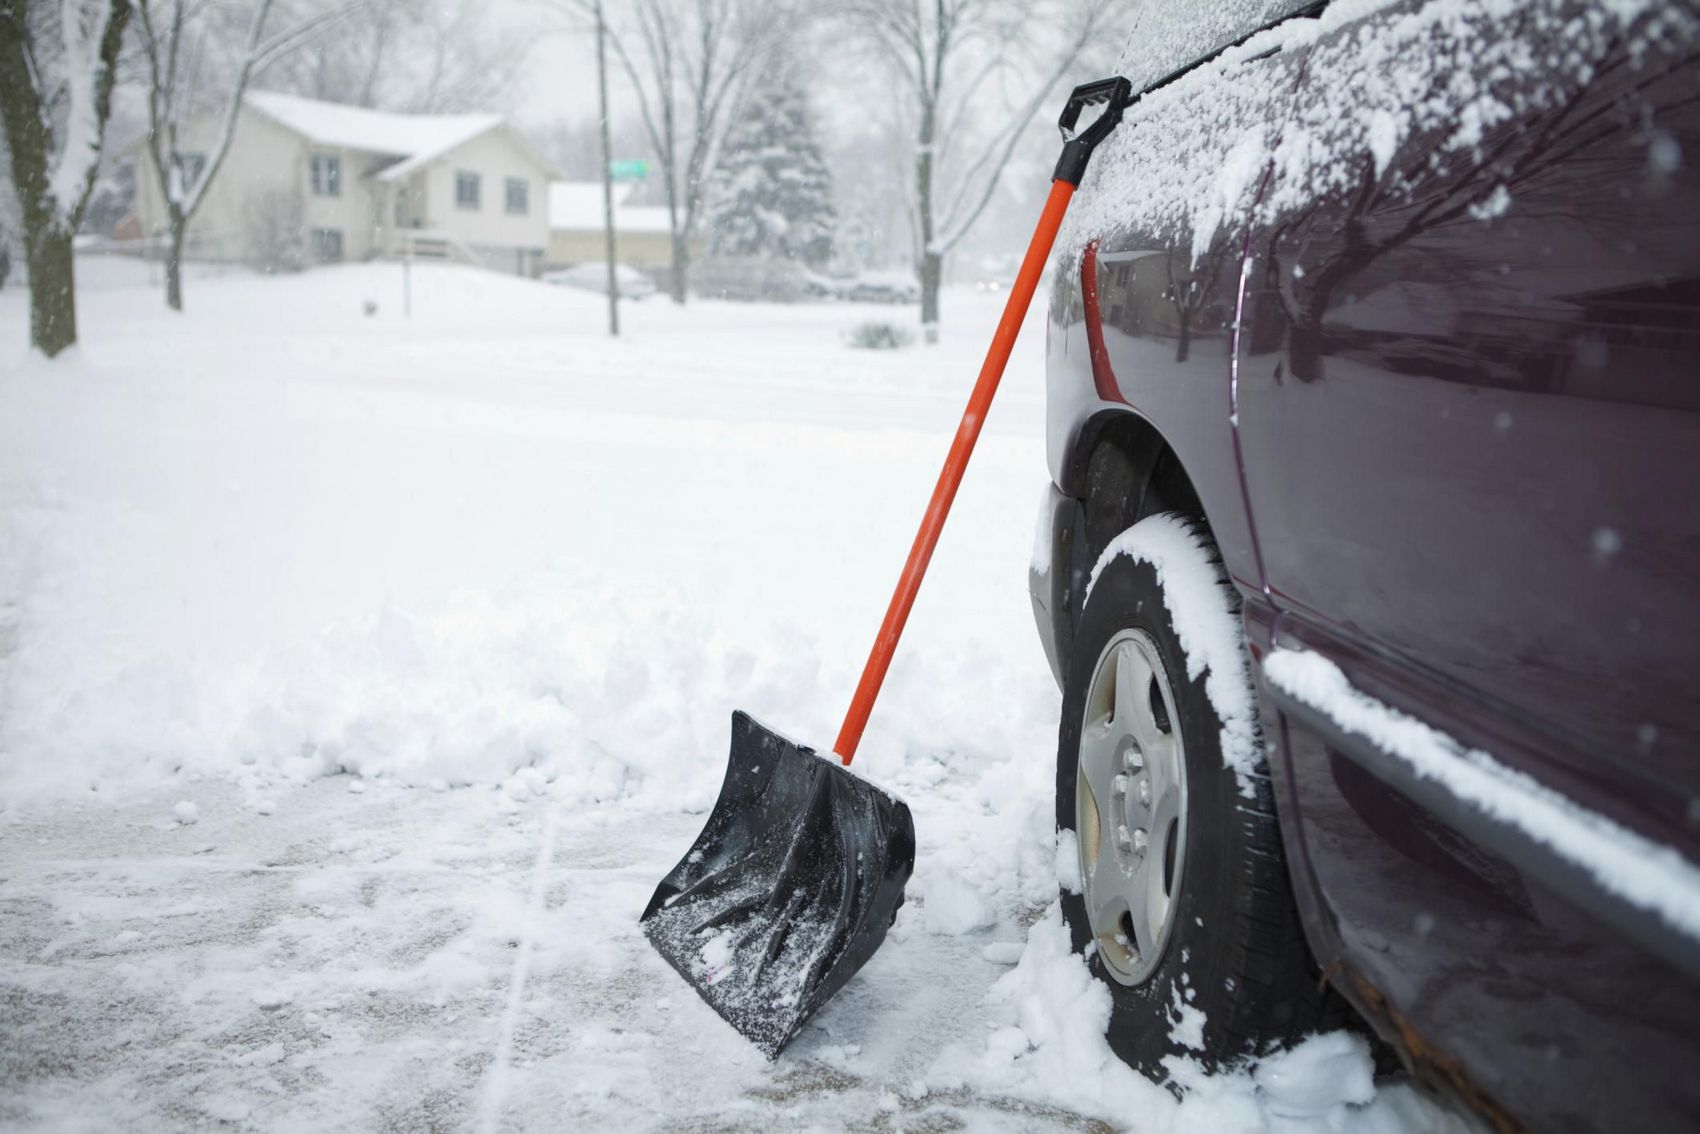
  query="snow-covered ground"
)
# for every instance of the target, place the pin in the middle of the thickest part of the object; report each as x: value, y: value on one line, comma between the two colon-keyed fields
x: 360, y: 675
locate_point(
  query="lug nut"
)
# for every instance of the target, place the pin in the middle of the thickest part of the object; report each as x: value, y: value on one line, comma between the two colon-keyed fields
x: 1119, y: 784
x: 1124, y: 839
x: 1140, y: 840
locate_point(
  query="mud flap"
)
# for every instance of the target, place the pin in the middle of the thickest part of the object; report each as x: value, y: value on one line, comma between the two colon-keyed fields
x: 789, y: 889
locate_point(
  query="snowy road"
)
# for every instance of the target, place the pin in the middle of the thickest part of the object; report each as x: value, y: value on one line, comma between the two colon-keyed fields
x: 347, y: 962
x: 433, y: 627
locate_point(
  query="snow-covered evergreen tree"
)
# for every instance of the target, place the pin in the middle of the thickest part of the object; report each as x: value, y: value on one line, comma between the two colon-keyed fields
x: 773, y: 193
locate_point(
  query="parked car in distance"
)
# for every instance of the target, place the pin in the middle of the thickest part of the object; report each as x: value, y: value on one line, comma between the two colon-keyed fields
x: 593, y: 276
x: 1370, y: 569
x: 819, y: 285
x: 895, y: 286
x: 876, y: 286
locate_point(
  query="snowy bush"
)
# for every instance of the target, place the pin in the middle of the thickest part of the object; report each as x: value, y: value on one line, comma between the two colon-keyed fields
x: 276, y: 240
x: 877, y: 334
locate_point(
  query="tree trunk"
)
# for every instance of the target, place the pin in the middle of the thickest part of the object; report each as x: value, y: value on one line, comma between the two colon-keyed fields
x: 932, y: 275
x: 48, y: 224
x: 174, y: 264
x: 930, y: 260
x: 681, y: 266
x: 53, y: 303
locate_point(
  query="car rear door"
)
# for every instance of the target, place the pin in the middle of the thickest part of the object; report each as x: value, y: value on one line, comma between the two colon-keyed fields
x: 1468, y: 403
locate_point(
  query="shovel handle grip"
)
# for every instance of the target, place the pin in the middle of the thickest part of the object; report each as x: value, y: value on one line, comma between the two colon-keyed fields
x: 950, y: 477
x: 1116, y: 94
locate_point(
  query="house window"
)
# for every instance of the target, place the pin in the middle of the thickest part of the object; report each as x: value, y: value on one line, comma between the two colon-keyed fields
x: 466, y: 189
x: 518, y: 195
x: 326, y: 175
x: 327, y: 245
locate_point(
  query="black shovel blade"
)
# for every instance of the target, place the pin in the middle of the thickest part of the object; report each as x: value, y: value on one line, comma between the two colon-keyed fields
x: 788, y: 890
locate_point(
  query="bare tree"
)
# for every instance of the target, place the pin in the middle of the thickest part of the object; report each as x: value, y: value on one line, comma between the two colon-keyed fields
x: 183, y: 177
x: 424, y: 56
x: 350, y: 66
x: 690, y: 63
x: 951, y: 59
x: 469, y: 64
x: 57, y: 66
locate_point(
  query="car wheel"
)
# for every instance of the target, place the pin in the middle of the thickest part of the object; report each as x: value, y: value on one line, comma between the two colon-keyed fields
x: 1182, y: 904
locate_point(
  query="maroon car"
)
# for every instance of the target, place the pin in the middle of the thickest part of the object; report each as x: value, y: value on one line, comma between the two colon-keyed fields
x: 1373, y: 570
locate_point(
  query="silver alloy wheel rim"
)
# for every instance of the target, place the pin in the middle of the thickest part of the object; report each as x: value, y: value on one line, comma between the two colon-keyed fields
x: 1130, y: 807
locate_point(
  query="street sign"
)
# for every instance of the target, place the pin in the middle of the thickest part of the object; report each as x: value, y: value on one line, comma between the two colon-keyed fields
x: 629, y: 169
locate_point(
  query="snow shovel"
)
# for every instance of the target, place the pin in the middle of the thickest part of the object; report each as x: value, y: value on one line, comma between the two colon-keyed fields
x: 800, y: 869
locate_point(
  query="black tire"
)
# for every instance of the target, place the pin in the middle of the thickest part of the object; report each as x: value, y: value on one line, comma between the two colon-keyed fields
x: 1235, y: 950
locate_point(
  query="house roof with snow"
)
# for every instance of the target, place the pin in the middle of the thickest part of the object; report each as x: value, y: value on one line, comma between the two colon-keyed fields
x: 414, y: 140
x: 576, y: 206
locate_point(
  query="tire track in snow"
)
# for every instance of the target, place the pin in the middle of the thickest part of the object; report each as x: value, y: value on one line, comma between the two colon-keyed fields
x: 496, y: 1081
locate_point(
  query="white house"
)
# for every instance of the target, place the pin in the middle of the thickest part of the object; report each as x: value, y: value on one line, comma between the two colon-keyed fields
x: 346, y: 183
x: 642, y: 232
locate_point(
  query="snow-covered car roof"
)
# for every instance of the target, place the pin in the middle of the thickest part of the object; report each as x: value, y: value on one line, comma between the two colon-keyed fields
x: 1168, y: 36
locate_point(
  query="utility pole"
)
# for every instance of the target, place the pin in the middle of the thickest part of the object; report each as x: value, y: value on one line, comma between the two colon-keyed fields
x: 607, y: 174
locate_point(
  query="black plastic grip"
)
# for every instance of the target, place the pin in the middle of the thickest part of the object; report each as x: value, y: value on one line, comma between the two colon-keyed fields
x: 1077, y: 148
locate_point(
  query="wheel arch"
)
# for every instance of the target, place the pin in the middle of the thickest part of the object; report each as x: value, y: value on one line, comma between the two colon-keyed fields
x: 1123, y: 469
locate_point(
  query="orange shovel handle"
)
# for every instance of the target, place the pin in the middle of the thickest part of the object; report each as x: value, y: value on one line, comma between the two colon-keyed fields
x: 950, y: 477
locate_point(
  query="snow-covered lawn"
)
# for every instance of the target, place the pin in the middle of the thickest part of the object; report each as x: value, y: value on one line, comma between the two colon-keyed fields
x: 360, y: 675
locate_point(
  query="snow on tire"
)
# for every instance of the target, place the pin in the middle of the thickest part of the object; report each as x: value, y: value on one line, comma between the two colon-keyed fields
x: 1184, y: 910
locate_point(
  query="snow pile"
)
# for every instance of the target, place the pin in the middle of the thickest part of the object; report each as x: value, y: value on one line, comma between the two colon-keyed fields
x: 568, y: 680
x: 1068, y: 861
x: 1048, y: 1046
x: 279, y: 539
x: 560, y: 678
x: 985, y: 817
x: 1050, y: 1014
x: 1317, y: 1080
x: 953, y: 907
